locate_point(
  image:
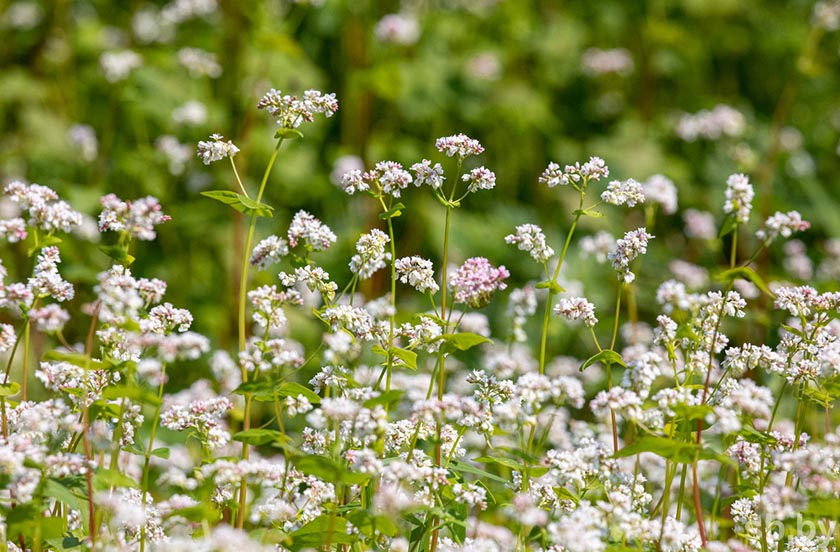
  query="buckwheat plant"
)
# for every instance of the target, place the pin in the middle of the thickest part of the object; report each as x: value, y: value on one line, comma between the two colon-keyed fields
x: 703, y: 420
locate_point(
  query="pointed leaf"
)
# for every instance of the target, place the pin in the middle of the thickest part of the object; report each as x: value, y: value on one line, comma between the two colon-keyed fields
x: 606, y: 356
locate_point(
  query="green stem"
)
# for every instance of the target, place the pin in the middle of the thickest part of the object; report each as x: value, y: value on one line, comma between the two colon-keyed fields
x: 551, y: 293
x: 243, y: 295
x: 148, y: 456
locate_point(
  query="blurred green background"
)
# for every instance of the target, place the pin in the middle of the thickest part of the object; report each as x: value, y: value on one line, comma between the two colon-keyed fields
x: 534, y: 81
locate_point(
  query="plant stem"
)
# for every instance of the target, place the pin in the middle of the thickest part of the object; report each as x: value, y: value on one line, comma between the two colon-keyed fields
x: 243, y: 295
x: 148, y: 456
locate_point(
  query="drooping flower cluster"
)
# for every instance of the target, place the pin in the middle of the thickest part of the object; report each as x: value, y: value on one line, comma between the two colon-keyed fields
x: 418, y: 273
x: 661, y: 189
x: 310, y: 232
x: 594, y: 169
x: 476, y: 280
x: 137, y: 217
x: 530, y: 238
x: 577, y: 308
x: 290, y: 112
x: 370, y: 253
x: 268, y: 252
x: 633, y: 244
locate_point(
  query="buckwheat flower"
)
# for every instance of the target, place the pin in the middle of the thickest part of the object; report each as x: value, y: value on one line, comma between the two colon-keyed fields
x: 137, y: 217
x: 552, y: 176
x: 476, y: 280
x: 83, y: 138
x: 268, y: 305
x: 739, y: 196
x: 459, y: 144
x: 633, y: 244
x: 370, y: 253
x: 598, y: 246
x: 165, y: 318
x: 418, y: 273
x: 178, y: 154
x: 397, y: 28
x: 269, y: 251
x: 190, y: 113
x: 199, y: 62
x: 699, y: 224
x: 660, y: 189
x: 45, y: 209
x: 202, y: 415
x: 13, y: 230
x: 711, y: 125
x: 343, y: 165
x: 577, y: 308
x: 7, y: 337
x: 782, y: 224
x: 826, y: 15
x: 46, y: 281
x: 315, y: 278
x: 389, y: 176
x: 119, y: 64
x: 530, y: 238
x: 471, y: 495
x: 602, y: 62
x: 290, y: 112
x: 480, y: 178
x: 427, y: 174
x: 49, y: 318
x: 424, y: 335
x: 620, y: 192
x: 310, y: 231
x: 359, y: 322
x: 216, y: 149
x: 297, y: 405
x: 798, y: 301
x: 354, y: 181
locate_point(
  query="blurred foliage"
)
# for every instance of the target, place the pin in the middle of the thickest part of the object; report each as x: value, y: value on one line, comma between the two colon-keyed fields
x: 509, y: 73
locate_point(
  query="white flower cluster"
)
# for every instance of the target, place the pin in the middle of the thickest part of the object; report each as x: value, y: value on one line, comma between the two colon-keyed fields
x: 138, y: 217
x: 619, y: 192
x: 530, y: 238
x: 370, y: 254
x: 633, y: 244
x: 594, y: 169
x: 418, y: 273
x: 739, y: 197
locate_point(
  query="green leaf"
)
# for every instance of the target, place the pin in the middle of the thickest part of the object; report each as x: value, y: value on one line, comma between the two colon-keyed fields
x: 259, y: 436
x: 463, y: 467
x: 117, y: 252
x: 551, y: 286
x: 9, y: 389
x: 463, y: 341
x: 507, y: 462
x: 684, y: 453
x: 408, y: 357
x: 56, y: 490
x: 161, y: 452
x: 267, y: 391
x: 393, y: 212
x: 288, y: 133
x: 328, y: 470
x: 588, y: 213
x: 199, y: 512
x: 607, y: 356
x: 368, y: 524
x: 77, y: 359
x: 730, y: 223
x: 105, y: 479
x: 746, y: 273
x: 132, y: 392
x: 320, y: 530
x: 240, y: 202
x: 385, y: 398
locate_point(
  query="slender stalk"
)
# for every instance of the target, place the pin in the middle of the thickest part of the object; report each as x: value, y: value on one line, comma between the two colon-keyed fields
x: 27, y: 340
x: 243, y: 295
x: 148, y: 456
x: 551, y: 292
